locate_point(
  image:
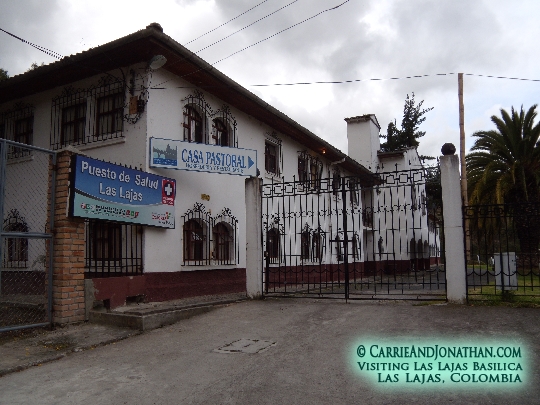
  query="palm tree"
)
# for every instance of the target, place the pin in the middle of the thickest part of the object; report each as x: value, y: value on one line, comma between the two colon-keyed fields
x: 504, y: 168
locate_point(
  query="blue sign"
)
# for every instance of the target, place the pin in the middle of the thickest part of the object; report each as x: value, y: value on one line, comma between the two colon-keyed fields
x: 200, y: 157
x: 107, y: 191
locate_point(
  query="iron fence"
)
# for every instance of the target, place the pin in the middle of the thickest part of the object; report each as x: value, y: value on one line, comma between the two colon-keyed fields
x: 345, y: 241
x: 503, y: 256
x: 26, y: 213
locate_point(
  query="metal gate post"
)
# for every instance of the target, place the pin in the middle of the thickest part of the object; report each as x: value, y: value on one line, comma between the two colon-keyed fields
x: 345, y: 236
x: 51, y: 240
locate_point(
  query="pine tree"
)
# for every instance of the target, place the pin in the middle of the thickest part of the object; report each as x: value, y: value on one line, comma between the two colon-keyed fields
x: 408, y: 135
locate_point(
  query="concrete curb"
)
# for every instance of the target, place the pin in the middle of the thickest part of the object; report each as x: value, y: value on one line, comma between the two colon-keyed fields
x: 58, y: 356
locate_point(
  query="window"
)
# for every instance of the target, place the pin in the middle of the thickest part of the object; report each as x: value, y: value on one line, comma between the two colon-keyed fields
x: 336, y: 183
x: 305, y: 242
x: 221, y: 133
x: 270, y: 158
x: 106, y: 241
x: 317, y: 246
x: 193, y: 125
x: 18, y: 125
x: 73, y: 124
x: 193, y: 241
x: 380, y: 246
x: 24, y: 129
x: 84, y: 116
x: 354, y: 188
x: 302, y: 167
x: 315, y: 169
x: 356, y: 247
x: 113, y: 249
x: 272, y: 155
x: 414, y: 205
x: 224, y: 128
x: 110, y: 109
x: 367, y: 217
x: 209, y: 240
x: 223, y: 242
x: 16, y: 248
x: 339, y: 248
x: 273, y: 245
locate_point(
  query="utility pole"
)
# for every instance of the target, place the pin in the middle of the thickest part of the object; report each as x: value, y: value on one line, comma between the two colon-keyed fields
x: 462, y: 141
x: 464, y: 196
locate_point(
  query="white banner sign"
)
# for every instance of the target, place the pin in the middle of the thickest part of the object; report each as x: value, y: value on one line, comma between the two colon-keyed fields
x: 200, y: 157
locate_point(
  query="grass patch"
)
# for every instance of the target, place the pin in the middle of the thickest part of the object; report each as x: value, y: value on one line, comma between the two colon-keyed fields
x: 527, y: 294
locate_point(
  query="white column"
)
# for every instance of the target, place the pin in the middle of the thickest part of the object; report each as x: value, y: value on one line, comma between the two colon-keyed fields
x: 254, y: 257
x: 456, y: 285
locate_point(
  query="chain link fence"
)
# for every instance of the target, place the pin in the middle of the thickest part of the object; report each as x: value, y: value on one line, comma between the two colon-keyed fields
x: 25, y: 238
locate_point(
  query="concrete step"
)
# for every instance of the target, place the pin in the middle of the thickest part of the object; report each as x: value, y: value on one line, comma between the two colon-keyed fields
x: 149, y: 316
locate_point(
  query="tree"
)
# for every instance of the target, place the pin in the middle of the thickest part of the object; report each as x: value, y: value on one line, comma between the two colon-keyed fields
x: 3, y: 75
x: 408, y: 135
x: 34, y: 66
x: 504, y: 168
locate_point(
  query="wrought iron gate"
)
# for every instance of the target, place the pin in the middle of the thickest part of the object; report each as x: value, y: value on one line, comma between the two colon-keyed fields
x: 26, y: 214
x: 502, y: 251
x: 333, y: 238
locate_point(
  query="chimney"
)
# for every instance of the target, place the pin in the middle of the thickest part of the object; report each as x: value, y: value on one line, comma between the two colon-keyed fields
x: 363, y: 139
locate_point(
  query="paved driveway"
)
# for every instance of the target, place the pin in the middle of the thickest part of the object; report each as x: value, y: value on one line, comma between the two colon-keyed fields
x: 311, y: 362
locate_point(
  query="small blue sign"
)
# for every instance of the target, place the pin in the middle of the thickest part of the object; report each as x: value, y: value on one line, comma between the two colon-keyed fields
x: 112, y: 192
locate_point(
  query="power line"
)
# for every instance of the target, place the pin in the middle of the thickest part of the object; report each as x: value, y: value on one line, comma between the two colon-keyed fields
x: 247, y: 26
x: 38, y: 47
x: 225, y: 23
x: 279, y: 32
x: 390, y: 78
x: 256, y: 43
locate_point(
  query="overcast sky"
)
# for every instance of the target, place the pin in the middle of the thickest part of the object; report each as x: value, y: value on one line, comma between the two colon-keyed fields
x: 362, y: 39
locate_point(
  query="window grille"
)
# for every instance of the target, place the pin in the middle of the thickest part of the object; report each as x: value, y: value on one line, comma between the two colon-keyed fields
x: 193, y: 125
x: 15, y: 249
x: 356, y: 247
x: 196, y: 113
x: 110, y: 109
x: 339, y: 248
x: 273, y: 245
x: 222, y: 242
x: 305, y: 248
x: 367, y: 217
x: 73, y: 124
x: 354, y: 187
x: 113, y: 249
x: 224, y: 128
x: 272, y: 155
x: 85, y: 116
x: 336, y: 183
x: 194, y: 241
x: 312, y: 245
x: 224, y: 238
x: 18, y: 125
x: 303, y: 167
x: 318, y: 245
x: 207, y: 240
x: 221, y: 133
x: 315, y: 169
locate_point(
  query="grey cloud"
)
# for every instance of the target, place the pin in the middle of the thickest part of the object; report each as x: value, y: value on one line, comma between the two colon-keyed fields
x: 31, y: 20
